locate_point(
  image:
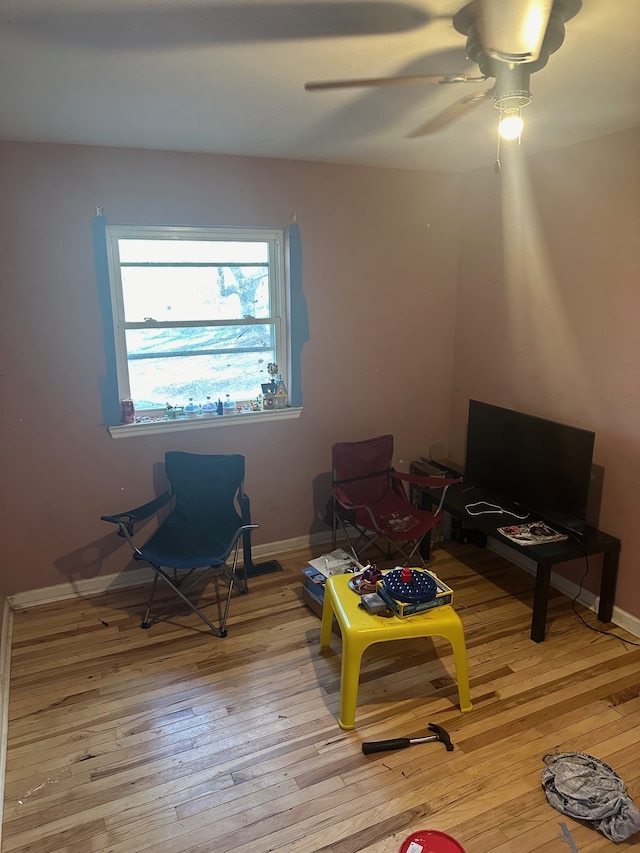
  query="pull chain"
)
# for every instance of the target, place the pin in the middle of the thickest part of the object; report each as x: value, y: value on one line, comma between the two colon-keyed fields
x: 497, y: 166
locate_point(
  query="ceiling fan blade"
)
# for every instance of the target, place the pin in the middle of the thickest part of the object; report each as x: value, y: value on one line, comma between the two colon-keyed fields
x: 151, y: 26
x: 369, y: 82
x: 452, y: 113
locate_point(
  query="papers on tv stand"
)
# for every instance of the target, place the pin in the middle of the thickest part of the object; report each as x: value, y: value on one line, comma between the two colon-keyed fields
x: 532, y: 533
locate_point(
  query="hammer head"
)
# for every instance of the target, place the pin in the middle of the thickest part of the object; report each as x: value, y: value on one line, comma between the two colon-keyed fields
x: 442, y: 735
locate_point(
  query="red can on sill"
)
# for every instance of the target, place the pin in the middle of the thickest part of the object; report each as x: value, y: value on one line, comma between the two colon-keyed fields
x: 128, y: 412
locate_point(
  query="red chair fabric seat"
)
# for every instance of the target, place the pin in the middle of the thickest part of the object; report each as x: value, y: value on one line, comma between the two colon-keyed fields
x: 369, y: 501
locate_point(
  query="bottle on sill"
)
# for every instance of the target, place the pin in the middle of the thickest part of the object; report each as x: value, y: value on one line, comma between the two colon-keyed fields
x: 192, y: 409
x: 229, y: 405
x: 220, y: 407
x: 208, y: 407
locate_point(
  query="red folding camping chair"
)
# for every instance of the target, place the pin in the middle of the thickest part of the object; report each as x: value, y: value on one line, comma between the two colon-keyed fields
x: 370, y: 505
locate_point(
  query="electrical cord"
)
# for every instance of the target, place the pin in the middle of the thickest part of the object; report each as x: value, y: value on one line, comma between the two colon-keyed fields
x: 495, y: 509
x: 444, y: 494
x: 581, y: 617
x: 498, y: 510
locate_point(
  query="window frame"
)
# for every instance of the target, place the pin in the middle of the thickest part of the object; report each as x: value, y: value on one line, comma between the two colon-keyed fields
x: 279, y: 285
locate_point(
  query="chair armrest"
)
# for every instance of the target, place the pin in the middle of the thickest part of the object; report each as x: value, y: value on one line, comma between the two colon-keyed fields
x: 126, y: 520
x: 344, y: 501
x: 245, y: 508
x: 425, y: 480
x: 244, y: 531
x: 429, y: 482
x: 245, y: 512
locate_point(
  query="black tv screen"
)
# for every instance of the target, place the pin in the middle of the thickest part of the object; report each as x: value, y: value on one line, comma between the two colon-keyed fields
x: 540, y: 464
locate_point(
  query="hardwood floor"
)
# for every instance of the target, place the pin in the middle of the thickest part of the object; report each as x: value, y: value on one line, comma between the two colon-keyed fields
x: 174, y: 741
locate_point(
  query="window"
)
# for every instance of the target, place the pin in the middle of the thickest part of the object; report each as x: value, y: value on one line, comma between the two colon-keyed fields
x: 198, y: 313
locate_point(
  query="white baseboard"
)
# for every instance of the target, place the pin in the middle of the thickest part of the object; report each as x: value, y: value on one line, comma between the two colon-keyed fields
x: 588, y: 599
x: 142, y: 576
x: 5, y: 672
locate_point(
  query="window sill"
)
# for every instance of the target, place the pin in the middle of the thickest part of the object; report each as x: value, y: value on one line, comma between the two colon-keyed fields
x: 201, y: 422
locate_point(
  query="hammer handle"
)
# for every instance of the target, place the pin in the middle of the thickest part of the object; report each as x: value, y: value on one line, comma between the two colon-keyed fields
x: 384, y: 745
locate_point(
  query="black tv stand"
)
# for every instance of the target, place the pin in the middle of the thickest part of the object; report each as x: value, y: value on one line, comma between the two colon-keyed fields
x: 545, y: 556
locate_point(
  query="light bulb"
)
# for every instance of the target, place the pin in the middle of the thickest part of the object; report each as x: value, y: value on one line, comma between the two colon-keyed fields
x: 511, y: 124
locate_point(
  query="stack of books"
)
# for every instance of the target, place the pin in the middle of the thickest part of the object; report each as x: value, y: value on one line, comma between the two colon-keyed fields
x: 319, y: 569
x: 335, y: 563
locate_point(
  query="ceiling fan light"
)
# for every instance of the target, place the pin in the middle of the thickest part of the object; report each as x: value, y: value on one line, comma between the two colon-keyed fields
x: 513, y: 31
x: 511, y: 124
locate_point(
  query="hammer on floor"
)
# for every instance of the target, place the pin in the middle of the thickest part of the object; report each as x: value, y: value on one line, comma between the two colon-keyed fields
x: 439, y: 734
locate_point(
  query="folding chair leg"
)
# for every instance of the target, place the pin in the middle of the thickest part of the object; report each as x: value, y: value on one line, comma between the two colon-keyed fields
x: 233, y: 579
x: 223, y: 622
x: 335, y: 520
x: 240, y: 577
x: 230, y: 573
x: 413, y: 558
x: 147, y: 623
x: 408, y: 558
x: 354, y: 548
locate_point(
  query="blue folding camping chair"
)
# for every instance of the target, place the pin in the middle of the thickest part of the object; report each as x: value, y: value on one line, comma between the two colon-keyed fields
x: 209, y: 522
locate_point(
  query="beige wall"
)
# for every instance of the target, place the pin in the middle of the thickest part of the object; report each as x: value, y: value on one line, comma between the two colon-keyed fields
x: 547, y: 262
x: 380, y: 256
x: 549, y: 308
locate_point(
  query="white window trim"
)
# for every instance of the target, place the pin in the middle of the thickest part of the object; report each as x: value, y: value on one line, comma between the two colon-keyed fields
x: 203, y: 422
x: 281, y: 329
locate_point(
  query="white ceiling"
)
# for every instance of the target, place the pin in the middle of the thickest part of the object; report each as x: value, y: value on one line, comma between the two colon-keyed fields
x: 227, y: 76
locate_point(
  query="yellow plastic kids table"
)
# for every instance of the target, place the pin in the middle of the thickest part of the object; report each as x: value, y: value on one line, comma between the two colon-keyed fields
x: 360, y: 630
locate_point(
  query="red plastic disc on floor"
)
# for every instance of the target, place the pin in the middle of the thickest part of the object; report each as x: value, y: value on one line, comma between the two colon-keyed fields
x: 430, y: 841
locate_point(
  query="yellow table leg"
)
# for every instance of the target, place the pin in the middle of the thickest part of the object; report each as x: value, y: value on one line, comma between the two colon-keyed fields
x: 327, y: 622
x: 352, y: 651
x: 360, y: 629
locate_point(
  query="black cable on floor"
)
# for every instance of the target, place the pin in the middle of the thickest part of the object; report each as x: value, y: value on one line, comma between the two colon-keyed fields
x: 581, y: 617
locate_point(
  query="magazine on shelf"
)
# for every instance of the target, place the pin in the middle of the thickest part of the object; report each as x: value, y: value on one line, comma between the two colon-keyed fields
x: 532, y: 533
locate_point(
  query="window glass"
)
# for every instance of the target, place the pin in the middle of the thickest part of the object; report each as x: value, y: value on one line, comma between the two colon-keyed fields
x: 168, y: 365
x: 177, y: 250
x: 197, y: 313
x: 194, y: 293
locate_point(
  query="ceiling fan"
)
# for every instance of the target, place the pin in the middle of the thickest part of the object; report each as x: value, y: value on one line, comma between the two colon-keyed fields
x: 509, y: 40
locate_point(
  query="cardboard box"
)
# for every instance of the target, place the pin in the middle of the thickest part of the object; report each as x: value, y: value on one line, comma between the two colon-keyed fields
x: 313, y: 577
x: 314, y: 603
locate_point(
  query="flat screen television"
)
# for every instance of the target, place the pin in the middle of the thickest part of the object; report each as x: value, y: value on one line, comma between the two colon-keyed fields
x: 540, y: 464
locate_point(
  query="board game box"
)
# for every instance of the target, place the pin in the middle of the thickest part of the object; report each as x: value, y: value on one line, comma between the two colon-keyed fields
x: 444, y: 595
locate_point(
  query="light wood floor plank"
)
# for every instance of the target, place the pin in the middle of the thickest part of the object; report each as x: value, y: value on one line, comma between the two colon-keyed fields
x: 174, y: 741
